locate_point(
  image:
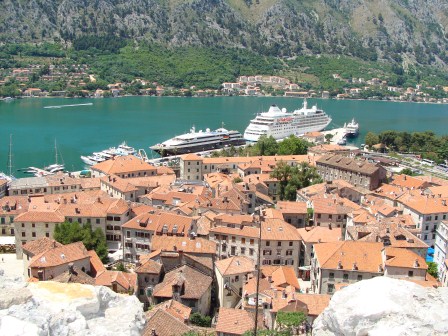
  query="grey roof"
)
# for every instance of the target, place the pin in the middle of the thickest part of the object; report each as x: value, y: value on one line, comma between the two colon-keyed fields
x: 350, y: 164
x: 29, y: 182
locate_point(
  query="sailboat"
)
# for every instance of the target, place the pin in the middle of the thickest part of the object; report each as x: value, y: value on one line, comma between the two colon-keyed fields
x: 9, y: 177
x: 55, y: 167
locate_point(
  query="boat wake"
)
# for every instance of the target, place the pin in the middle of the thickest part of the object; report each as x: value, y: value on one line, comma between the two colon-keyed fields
x: 70, y: 105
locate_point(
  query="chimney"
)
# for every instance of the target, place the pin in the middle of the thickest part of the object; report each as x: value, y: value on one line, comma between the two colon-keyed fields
x: 416, y: 264
x: 380, y: 268
x: 284, y: 295
x: 153, y: 332
x: 70, y: 268
x: 444, y: 202
x: 270, y: 278
x: 339, y: 264
x: 54, y: 244
x: 355, y: 266
x: 329, y: 226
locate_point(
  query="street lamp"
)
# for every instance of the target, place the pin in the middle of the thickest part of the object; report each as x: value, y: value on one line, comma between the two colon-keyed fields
x: 260, y: 220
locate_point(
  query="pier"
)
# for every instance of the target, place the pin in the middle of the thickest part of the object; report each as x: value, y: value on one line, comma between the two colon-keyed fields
x: 338, y: 135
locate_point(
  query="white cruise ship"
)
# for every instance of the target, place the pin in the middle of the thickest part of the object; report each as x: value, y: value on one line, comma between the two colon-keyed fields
x: 280, y: 124
x: 199, y: 141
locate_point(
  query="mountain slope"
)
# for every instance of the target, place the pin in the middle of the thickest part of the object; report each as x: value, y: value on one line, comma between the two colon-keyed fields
x: 407, y: 31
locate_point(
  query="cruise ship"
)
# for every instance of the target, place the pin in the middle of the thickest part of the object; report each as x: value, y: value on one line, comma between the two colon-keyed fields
x: 280, y: 124
x: 199, y: 141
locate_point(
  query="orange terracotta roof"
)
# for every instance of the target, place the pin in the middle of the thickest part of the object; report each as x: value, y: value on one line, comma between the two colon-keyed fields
x: 401, y: 257
x: 284, y: 276
x: 365, y: 255
x: 194, y: 283
x: 292, y: 207
x: 96, y: 265
x: 149, y: 266
x: 164, y: 324
x: 234, y: 321
x: 235, y: 265
x: 41, y: 216
x: 123, y: 164
x: 108, y: 278
x: 408, y: 182
x: 172, y: 307
x: 320, y: 234
x: 60, y: 255
x: 441, y: 191
x: 348, y: 164
x: 185, y: 244
x: 316, y: 303
x: 277, y: 229
x: 427, y: 205
x: 39, y: 245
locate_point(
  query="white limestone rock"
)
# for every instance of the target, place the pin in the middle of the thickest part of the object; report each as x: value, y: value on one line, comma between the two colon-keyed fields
x: 385, y: 306
x: 52, y: 308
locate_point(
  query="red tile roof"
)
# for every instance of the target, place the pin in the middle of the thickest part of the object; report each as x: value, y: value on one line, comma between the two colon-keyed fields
x: 235, y: 265
x: 60, y: 255
x: 234, y: 321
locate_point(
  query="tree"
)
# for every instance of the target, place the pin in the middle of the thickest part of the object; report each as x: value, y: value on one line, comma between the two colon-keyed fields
x: 293, y: 178
x: 407, y: 171
x: 67, y: 233
x: 371, y: 139
x: 266, y: 146
x: 200, y: 320
x: 290, y: 321
x: 120, y: 267
x: 328, y: 137
x: 432, y: 269
x: 292, y: 146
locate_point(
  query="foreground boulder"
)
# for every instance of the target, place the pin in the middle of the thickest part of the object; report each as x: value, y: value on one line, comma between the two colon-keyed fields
x: 385, y: 306
x: 53, y: 308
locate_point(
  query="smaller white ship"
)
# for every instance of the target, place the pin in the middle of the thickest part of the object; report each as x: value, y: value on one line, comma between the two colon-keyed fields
x: 121, y: 150
x: 351, y: 129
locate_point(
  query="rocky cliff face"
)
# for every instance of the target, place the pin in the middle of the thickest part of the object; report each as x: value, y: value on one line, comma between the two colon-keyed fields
x: 52, y: 308
x: 385, y: 306
x: 406, y: 31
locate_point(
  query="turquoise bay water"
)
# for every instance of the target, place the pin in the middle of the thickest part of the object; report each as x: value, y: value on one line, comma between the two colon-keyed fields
x: 144, y: 121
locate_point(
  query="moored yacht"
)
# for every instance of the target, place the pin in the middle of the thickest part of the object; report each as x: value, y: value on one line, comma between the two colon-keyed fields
x: 351, y: 129
x: 280, y: 124
x: 199, y: 141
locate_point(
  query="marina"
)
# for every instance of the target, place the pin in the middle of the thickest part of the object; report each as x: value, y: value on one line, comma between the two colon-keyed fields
x: 144, y: 121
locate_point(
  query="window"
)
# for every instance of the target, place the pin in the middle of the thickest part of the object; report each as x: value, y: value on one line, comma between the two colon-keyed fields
x: 243, y: 240
x: 436, y: 217
x: 290, y: 243
x: 23, y: 224
x: 428, y: 218
x: 289, y: 252
x: 33, y: 234
x: 359, y: 277
x: 251, y: 251
x: 33, y: 225
x: 330, y: 216
x: 410, y: 273
x: 98, y: 221
x: 47, y: 234
x: 46, y: 225
x: 23, y: 234
x: 233, y: 239
x: 251, y: 241
x: 318, y: 215
x: 279, y: 243
x: 237, y: 278
x: 345, y: 277
x: 330, y: 288
x: 243, y: 250
x: 331, y: 275
x: 266, y: 252
x: 268, y: 243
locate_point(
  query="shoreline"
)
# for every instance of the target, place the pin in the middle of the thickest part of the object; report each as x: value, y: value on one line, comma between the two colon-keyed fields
x: 222, y: 96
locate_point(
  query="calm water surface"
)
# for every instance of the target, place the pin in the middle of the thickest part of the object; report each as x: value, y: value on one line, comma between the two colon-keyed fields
x: 144, y: 121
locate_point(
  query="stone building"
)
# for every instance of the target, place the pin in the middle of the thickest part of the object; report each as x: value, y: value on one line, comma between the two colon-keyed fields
x: 358, y: 173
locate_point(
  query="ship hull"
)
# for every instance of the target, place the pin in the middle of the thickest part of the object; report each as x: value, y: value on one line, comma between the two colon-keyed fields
x: 167, y: 151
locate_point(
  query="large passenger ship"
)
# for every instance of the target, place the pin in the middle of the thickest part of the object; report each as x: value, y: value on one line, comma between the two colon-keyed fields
x: 280, y: 124
x: 199, y: 141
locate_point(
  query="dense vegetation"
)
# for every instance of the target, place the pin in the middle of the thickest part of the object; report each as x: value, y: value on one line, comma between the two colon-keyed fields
x: 66, y: 233
x: 293, y: 178
x: 426, y: 144
x: 267, y: 146
x: 116, y: 59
